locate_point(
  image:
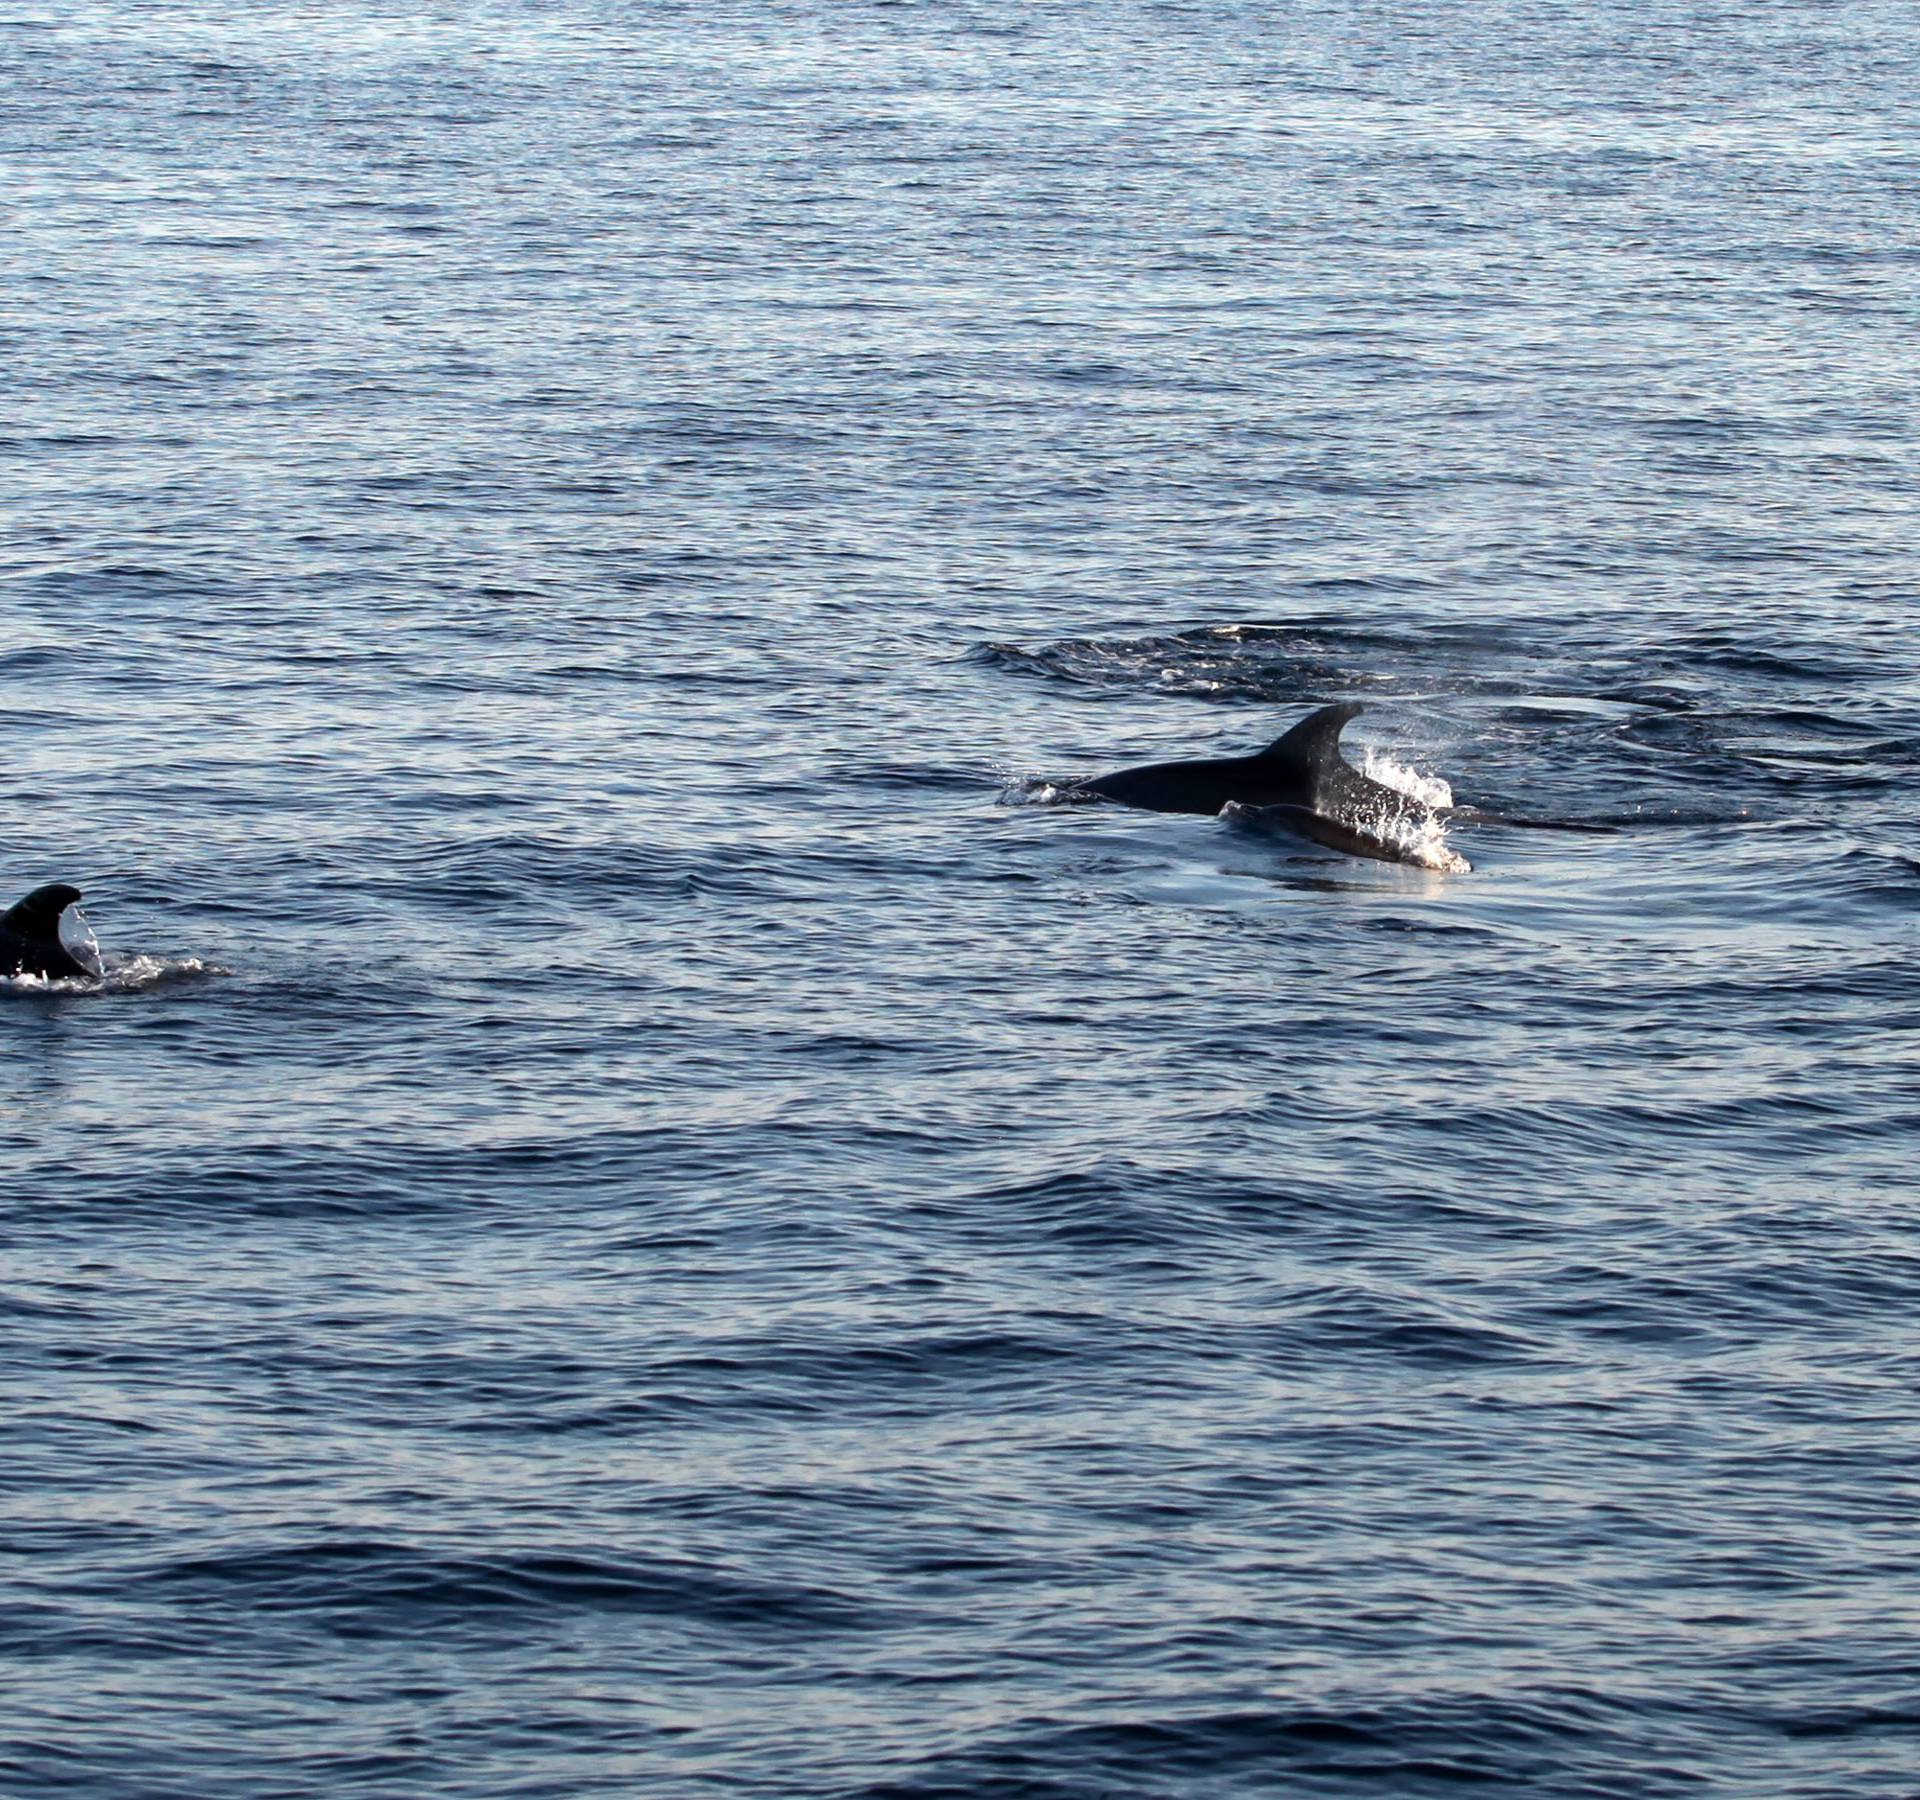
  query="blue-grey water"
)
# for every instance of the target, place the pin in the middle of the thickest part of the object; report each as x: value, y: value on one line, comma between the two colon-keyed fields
x: 636, y: 1217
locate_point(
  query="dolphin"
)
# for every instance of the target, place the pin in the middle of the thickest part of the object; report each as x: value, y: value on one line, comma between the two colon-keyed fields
x: 1301, y: 782
x: 32, y: 941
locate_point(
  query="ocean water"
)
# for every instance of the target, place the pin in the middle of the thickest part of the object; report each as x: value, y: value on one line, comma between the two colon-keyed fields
x: 634, y: 1217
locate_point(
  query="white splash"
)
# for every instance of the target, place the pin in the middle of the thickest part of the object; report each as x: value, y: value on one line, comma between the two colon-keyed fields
x: 1420, y: 840
x: 1423, y: 842
x: 134, y: 974
x: 1031, y: 790
x: 1429, y: 790
x: 118, y: 975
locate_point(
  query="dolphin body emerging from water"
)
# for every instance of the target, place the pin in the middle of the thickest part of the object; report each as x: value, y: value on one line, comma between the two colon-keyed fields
x: 31, y: 942
x: 1300, y: 781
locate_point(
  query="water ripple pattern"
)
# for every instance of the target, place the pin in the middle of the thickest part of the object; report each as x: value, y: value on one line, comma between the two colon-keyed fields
x: 622, y: 1224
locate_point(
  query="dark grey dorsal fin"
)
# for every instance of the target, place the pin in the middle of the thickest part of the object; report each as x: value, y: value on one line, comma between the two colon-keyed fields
x: 1315, y: 741
x: 37, y: 917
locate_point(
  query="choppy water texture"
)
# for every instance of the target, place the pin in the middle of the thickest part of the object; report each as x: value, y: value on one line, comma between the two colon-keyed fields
x: 628, y: 1225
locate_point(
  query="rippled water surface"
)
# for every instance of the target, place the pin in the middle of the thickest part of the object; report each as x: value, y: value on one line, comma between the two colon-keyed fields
x: 633, y: 1218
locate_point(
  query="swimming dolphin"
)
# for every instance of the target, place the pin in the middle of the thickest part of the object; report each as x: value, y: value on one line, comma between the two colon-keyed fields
x: 1299, y: 781
x: 1302, y: 768
x: 30, y: 938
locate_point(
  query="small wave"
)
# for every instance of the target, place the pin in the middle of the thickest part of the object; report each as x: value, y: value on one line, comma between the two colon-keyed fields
x: 1881, y: 875
x: 1437, y: 1740
x: 385, y: 1586
x: 1276, y: 663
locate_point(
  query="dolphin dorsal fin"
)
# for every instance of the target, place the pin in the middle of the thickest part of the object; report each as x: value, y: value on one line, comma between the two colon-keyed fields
x: 38, y: 915
x: 1315, y: 741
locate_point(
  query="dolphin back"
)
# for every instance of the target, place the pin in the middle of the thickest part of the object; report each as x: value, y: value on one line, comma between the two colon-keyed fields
x: 1299, y: 781
x: 1302, y: 768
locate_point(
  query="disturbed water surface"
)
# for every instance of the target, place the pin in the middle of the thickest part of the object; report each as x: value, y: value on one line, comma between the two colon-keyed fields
x: 636, y: 1218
